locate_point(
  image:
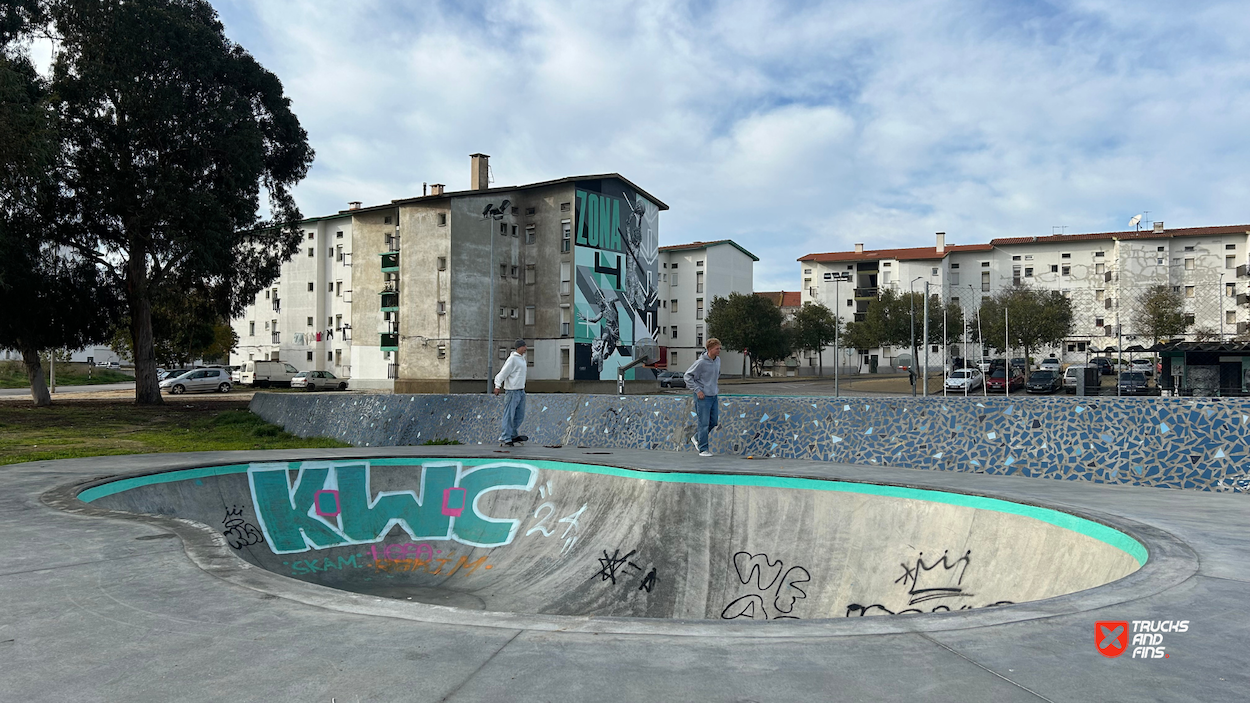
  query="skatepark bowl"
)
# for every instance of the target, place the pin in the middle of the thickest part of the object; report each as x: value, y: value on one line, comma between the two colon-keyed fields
x: 558, y: 538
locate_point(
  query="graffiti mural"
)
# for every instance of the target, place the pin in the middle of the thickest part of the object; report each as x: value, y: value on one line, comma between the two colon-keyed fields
x: 616, y: 298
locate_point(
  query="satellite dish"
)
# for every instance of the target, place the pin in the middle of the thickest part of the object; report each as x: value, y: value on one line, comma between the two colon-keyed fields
x: 1136, y: 220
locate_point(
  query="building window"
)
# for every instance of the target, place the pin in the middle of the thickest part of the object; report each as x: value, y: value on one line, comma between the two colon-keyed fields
x: 674, y: 267
x: 672, y: 359
x: 310, y: 286
x: 1098, y: 295
x: 1230, y: 247
x: 442, y: 351
x: 566, y: 234
x: 330, y: 253
x: 310, y: 322
x: 698, y: 336
x: 954, y: 278
x: 933, y: 272
x: 1065, y: 256
x: 1054, y: 268
x: 1098, y: 254
x: 828, y: 276
x: 698, y: 308
x: 1027, y: 257
x: 1028, y: 271
x: 698, y: 282
x: 441, y: 307
x: 338, y: 289
x: 503, y: 229
x: 529, y: 211
x: 985, y: 280
x: 1189, y: 264
x: 266, y: 295
x: 531, y: 274
x: 531, y: 234
x: 512, y: 313
x: 503, y: 312
x: 1098, y: 322
x: 1189, y: 318
x: 1015, y: 274
x: 1015, y: 258
x: 805, y: 271
x: 310, y: 235
x: 1100, y: 268
x: 338, y: 252
x: 310, y: 252
x: 985, y: 264
x: 887, y: 265
x: 329, y: 355
x: 503, y: 270
x: 1230, y: 262
x: 251, y: 329
x: 514, y: 231
x: 503, y: 353
x: 674, y: 331
x: 1067, y: 271
x: 338, y: 322
x: 514, y: 271
x: 529, y: 357
x: 529, y: 314
x: 338, y: 234
x: 565, y: 207
x: 698, y: 263
x: 564, y: 323
x: 442, y: 219
x: 1189, y: 291
x: 672, y: 305
x: 1189, y: 248
x: 442, y: 263
x: 308, y: 356
x: 1230, y: 289
x: 1230, y: 317
x: 566, y: 272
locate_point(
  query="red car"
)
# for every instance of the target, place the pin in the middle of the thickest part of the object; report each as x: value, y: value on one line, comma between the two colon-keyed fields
x: 997, y: 381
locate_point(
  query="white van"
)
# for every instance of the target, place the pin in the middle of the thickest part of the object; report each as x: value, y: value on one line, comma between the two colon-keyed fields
x: 1069, y: 376
x: 266, y: 373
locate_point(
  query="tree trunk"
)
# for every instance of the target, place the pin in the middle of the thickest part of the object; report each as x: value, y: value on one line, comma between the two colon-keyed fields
x: 147, y: 387
x: 34, y: 371
x: 820, y: 360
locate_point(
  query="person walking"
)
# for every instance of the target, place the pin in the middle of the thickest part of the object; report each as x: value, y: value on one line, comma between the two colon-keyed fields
x: 702, y: 378
x: 511, y: 380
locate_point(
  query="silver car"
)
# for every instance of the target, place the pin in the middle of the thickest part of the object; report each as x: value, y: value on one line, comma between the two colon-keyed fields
x: 198, y: 380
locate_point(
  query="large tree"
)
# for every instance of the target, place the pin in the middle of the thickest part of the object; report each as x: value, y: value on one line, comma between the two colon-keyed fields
x: 813, y: 329
x: 1159, y: 313
x: 172, y: 134
x: 1034, y: 319
x: 52, y: 297
x: 749, y: 323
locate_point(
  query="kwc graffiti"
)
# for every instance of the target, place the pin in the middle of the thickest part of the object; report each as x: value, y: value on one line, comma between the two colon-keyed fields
x: 331, y: 504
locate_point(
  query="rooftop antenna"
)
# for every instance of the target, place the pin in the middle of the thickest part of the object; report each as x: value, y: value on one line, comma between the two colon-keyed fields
x: 1135, y: 221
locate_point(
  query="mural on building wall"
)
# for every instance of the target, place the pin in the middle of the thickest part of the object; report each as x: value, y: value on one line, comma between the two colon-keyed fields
x: 616, y: 300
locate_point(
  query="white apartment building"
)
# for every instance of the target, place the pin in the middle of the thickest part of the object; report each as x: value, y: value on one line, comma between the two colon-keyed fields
x: 691, y: 275
x: 1104, y: 274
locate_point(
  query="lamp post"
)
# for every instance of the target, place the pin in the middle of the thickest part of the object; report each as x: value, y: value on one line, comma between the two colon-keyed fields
x: 1221, y: 292
x: 914, y: 353
x: 925, y: 335
x: 1007, y: 350
x: 490, y: 316
x: 837, y: 297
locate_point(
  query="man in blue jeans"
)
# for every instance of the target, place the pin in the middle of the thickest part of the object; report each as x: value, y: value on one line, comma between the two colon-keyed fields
x: 511, y: 381
x: 702, y: 378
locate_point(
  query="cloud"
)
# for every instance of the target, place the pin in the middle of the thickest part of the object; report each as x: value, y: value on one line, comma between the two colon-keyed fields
x: 790, y: 127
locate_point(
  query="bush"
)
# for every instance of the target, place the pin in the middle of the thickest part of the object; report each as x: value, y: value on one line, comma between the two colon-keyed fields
x: 436, y: 442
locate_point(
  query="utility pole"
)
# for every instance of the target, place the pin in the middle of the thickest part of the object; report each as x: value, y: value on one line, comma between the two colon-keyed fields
x: 490, y: 315
x: 926, y: 339
x: 1221, y: 308
x: 1007, y: 353
x: 52, y: 370
x: 914, y: 352
x: 836, y: 298
x: 946, y: 357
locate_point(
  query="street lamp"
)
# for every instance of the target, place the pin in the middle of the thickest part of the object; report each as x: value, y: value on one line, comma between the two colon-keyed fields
x: 914, y: 353
x: 837, y: 298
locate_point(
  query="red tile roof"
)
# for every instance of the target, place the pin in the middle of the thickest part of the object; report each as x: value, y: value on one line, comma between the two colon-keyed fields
x: 925, y: 253
x: 705, y: 245
x: 783, y: 299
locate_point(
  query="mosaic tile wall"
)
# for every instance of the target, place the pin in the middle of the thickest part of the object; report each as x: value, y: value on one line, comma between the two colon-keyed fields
x: 1194, y: 443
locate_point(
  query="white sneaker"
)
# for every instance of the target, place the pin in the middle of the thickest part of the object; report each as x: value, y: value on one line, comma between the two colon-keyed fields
x: 706, y: 454
x: 695, y: 442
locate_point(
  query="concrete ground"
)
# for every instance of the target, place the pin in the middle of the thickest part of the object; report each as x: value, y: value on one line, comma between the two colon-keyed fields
x: 150, y: 609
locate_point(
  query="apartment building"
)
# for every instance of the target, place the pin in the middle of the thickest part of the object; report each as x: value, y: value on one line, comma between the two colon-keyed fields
x: 691, y: 276
x: 427, y: 294
x: 1104, y: 274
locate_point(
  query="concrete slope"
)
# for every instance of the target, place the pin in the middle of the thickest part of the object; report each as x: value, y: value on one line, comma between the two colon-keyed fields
x: 556, y: 538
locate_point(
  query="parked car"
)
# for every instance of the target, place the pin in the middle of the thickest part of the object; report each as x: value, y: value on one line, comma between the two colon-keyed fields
x: 1134, y: 383
x: 902, y: 362
x: 964, y: 380
x: 198, y: 380
x: 1049, y: 364
x: 312, y: 380
x: 997, y: 380
x: 671, y: 379
x: 1044, y: 382
x: 1104, y: 365
x: 1146, y: 366
x: 172, y: 373
x: 1070, y: 374
x: 267, y: 373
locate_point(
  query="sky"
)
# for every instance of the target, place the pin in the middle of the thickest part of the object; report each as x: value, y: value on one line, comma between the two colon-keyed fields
x: 790, y: 128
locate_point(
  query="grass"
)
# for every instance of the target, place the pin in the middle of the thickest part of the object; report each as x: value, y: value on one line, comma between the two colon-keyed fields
x: 80, y: 428
x: 13, y: 375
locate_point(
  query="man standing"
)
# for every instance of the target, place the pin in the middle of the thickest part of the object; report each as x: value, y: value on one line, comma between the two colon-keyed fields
x: 511, y: 380
x: 702, y: 377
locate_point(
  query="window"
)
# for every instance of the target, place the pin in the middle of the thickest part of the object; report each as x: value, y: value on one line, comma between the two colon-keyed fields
x: 564, y: 323
x: 442, y: 219
x: 1067, y: 270
x: 503, y: 229
x: 565, y: 207
x: 338, y: 322
x: 531, y: 274
x: 1230, y: 317
x: 1189, y: 318
x: 512, y: 313
x: 1230, y: 262
x: 329, y: 322
x: 442, y: 263
x: 529, y: 314
x: 566, y: 233
x: 698, y: 336
x: 1098, y: 322
x: 386, y: 220
x: 828, y: 276
x: 442, y: 351
x: 1015, y: 258
x: 1054, y: 268
x: 1230, y: 289
x: 1189, y: 264
x: 311, y: 252
x: 566, y: 269
x: 338, y: 289
x: 698, y: 308
x: 955, y: 300
x: 529, y: 211
x: 503, y: 270
x: 251, y: 329
x: 1028, y: 271
x: 1100, y: 268
x: 807, y: 282
x: 308, y: 356
x: 531, y: 234
x: 529, y: 357
x: 985, y: 280
x: 885, y: 277
x: 338, y: 234
x: 1015, y: 273
x: 1027, y: 257
x: 954, y: 278
x: 672, y: 305
x: 674, y: 331
x: 985, y: 264
x: 673, y: 280
x: 1189, y: 248
x: 850, y: 303
x: 330, y: 253
x: 1227, y: 247
x: 310, y: 322
x: 806, y: 271
x: 1099, y: 295
x: 266, y: 295
x: 310, y: 235
x: 514, y: 271
x: 329, y: 355
x: 503, y: 353
x: 1098, y: 254
x: 503, y: 312
x: 1080, y: 346
x: 441, y: 307
x: 1065, y: 256
x: 514, y: 232
x: 887, y: 265
x: 672, y: 357
x: 933, y: 272
x: 338, y: 252
x: 1158, y: 248
x: 310, y: 286
x: 698, y: 282
x: 1189, y: 291
x: 674, y: 267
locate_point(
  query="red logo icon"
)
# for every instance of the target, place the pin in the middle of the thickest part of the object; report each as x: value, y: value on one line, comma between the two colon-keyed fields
x: 1111, y: 637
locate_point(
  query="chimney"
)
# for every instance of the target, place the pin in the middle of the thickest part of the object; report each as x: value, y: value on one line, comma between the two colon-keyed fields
x: 1159, y: 228
x: 859, y: 248
x: 436, y: 189
x: 941, y: 242
x: 353, y: 205
x: 479, y: 172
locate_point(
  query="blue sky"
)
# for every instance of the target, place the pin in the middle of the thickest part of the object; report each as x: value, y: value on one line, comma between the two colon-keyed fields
x: 789, y: 127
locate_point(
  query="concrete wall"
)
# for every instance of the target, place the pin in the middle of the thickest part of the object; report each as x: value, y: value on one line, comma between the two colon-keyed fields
x: 369, y: 362
x: 1162, y: 442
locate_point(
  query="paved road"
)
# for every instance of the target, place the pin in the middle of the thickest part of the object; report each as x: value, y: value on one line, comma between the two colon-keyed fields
x: 75, y: 389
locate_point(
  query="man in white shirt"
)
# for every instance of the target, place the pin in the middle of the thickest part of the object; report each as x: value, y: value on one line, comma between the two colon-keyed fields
x: 511, y: 380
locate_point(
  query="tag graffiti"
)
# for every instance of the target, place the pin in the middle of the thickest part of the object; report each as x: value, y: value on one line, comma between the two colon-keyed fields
x: 330, y: 504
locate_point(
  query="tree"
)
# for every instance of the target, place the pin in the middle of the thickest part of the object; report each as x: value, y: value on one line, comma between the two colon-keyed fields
x: 813, y: 328
x: 1160, y: 313
x: 53, y: 298
x: 749, y: 322
x: 1035, y: 319
x: 171, y: 133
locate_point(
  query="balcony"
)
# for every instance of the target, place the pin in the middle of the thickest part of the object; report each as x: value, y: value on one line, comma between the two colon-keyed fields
x: 276, y: 338
x: 866, y: 292
x: 277, y: 305
x: 861, y: 316
x: 1243, y: 328
x: 390, y: 341
x: 390, y: 301
x: 390, y: 262
x: 1243, y: 298
x: 1242, y: 271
